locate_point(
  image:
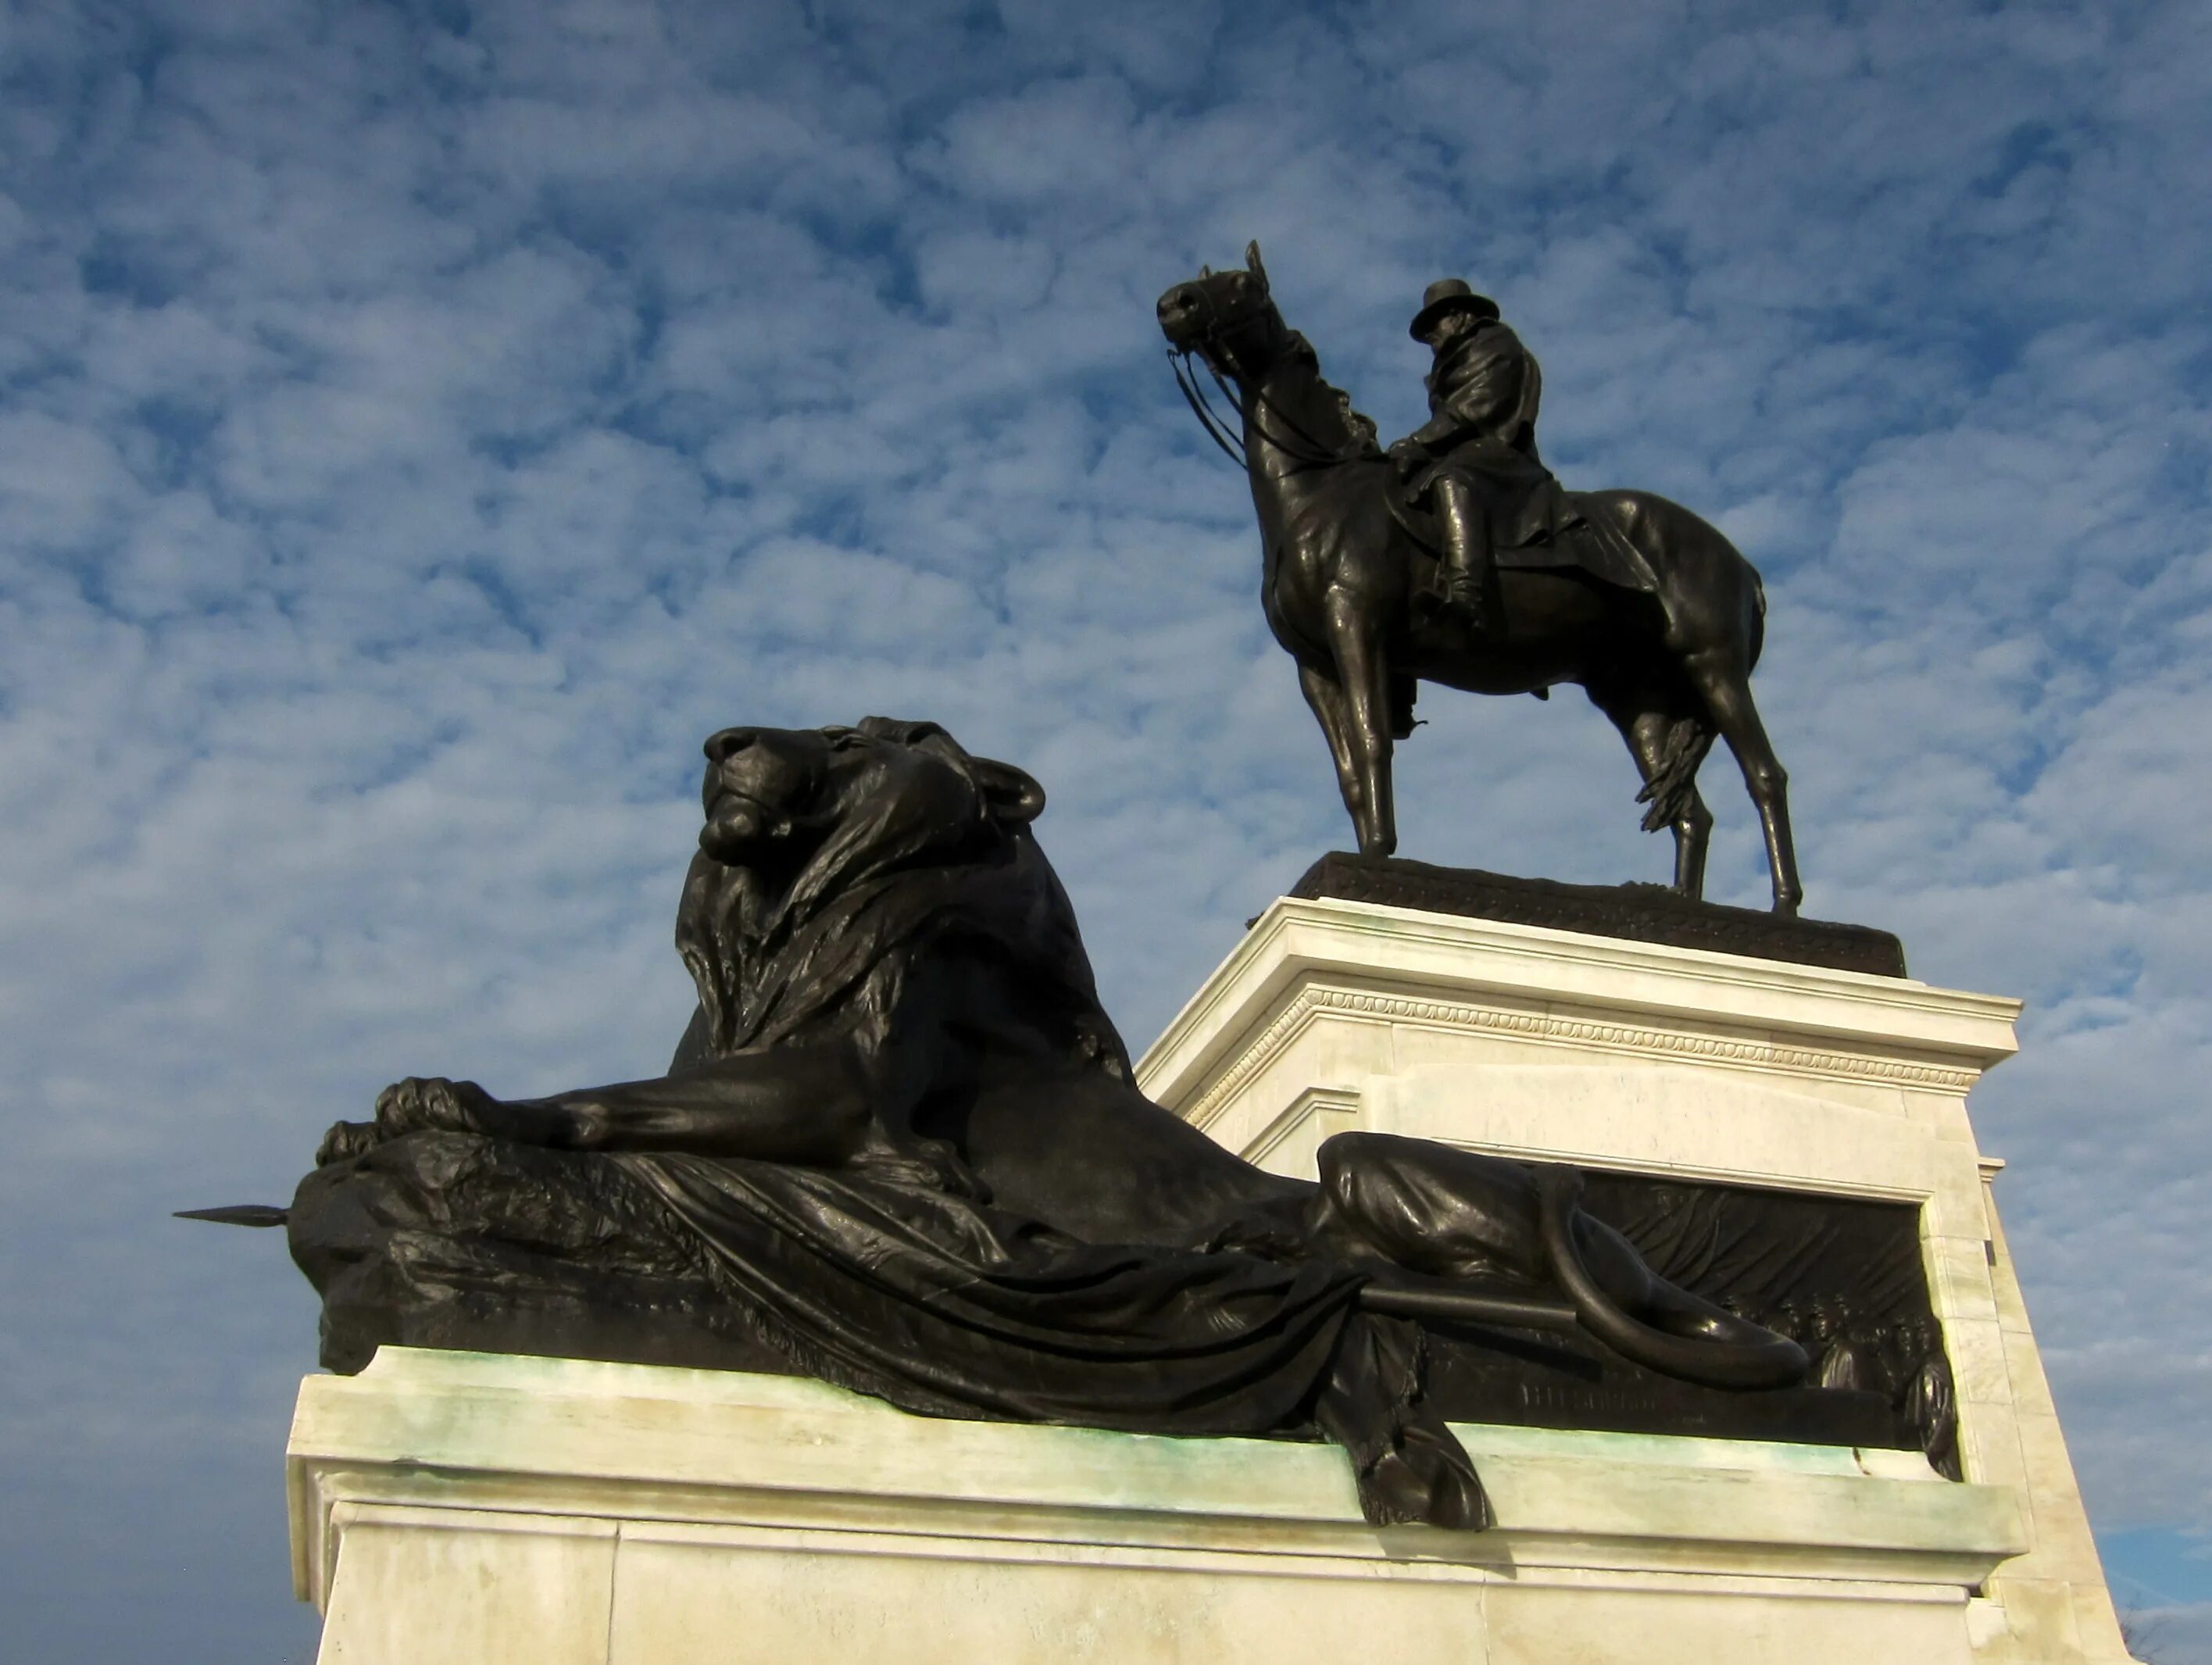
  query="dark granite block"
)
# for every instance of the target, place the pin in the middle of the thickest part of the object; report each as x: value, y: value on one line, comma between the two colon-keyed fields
x: 1638, y: 913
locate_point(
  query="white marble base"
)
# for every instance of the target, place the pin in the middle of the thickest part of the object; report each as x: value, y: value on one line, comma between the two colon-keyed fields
x: 1543, y: 1044
x: 460, y: 1509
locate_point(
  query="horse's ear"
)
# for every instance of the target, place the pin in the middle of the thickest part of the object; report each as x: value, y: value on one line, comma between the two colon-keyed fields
x: 1014, y: 797
x: 1252, y: 262
x: 1206, y: 271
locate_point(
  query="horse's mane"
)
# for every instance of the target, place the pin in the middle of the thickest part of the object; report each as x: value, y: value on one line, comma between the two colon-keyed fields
x: 1358, y: 426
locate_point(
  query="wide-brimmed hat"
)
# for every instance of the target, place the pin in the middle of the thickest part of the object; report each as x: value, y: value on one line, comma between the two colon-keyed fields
x: 1445, y: 296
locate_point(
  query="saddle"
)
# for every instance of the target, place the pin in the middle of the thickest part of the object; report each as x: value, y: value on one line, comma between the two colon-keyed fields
x: 1595, y: 546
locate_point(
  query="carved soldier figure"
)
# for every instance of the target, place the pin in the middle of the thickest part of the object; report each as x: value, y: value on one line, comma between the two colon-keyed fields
x: 1475, y: 459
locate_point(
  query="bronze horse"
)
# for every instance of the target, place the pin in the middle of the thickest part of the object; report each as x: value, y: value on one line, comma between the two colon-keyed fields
x: 1343, y: 579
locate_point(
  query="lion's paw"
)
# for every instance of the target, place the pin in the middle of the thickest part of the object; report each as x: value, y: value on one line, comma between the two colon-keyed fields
x: 347, y: 1141
x: 422, y: 1103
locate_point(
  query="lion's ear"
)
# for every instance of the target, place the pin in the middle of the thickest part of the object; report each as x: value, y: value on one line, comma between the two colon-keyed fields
x: 1015, y: 798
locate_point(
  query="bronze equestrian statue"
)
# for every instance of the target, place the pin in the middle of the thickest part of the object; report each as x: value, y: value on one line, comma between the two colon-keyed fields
x: 1478, y: 571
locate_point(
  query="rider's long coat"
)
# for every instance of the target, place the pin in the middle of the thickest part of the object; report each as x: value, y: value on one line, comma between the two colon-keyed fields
x: 1484, y: 391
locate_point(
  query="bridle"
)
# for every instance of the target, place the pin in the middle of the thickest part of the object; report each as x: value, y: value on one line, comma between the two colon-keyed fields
x: 1308, y: 453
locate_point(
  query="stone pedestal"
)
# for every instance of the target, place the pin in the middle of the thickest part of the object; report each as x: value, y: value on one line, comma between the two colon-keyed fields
x: 462, y: 1509
x: 1532, y: 1042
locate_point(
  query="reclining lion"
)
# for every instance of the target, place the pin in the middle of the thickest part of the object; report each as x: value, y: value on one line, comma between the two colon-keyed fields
x: 900, y: 1146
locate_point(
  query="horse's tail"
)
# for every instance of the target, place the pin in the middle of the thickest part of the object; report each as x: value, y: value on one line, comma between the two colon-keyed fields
x: 1672, y: 787
x: 1674, y: 784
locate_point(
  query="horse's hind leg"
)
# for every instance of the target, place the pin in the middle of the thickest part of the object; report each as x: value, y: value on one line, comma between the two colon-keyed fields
x: 1723, y: 682
x: 1693, y: 836
x: 1647, y: 724
x: 1325, y: 697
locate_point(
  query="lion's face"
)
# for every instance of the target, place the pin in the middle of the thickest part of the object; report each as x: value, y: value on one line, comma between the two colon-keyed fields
x: 774, y: 796
x: 760, y: 783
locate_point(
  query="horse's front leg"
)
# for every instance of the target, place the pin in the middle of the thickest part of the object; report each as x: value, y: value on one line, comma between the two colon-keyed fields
x: 1355, y: 641
x: 1325, y: 696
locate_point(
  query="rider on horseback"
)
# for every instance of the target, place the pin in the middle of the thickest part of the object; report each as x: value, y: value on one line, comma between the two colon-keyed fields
x: 1475, y: 459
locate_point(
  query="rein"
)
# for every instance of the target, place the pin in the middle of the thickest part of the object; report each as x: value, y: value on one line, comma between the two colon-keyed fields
x: 1316, y: 455
x: 1309, y: 453
x: 1194, y: 397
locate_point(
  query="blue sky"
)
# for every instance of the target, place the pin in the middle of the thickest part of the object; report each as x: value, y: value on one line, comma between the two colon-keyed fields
x: 421, y: 425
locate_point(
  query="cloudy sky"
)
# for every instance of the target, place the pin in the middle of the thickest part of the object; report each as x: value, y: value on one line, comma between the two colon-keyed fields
x: 421, y: 423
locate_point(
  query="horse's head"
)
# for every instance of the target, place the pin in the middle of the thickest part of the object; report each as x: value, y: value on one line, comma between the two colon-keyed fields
x: 1228, y: 318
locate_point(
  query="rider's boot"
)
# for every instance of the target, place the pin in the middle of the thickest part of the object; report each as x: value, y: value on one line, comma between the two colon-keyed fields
x: 1466, y: 567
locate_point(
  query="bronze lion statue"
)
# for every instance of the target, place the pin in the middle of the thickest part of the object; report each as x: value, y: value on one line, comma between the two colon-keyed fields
x: 899, y: 1148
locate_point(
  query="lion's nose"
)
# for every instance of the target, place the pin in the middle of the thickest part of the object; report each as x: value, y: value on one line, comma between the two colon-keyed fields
x: 721, y: 747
